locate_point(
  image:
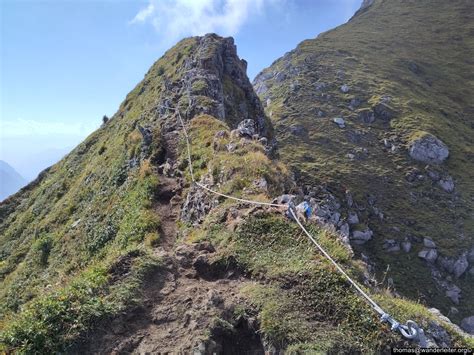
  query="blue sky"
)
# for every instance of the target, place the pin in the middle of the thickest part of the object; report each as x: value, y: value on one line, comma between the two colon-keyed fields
x: 64, y: 64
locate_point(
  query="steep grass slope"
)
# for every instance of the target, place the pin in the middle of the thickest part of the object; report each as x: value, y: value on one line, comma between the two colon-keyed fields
x: 93, y: 260
x: 349, y: 107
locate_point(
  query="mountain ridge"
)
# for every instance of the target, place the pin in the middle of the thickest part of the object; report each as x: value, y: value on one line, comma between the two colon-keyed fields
x: 373, y: 109
x: 117, y: 233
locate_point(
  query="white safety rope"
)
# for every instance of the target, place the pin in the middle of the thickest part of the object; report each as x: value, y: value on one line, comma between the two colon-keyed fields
x: 410, y: 331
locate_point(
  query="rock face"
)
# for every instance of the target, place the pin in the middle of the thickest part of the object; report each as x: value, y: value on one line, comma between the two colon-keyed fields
x: 428, y: 149
x: 213, y: 72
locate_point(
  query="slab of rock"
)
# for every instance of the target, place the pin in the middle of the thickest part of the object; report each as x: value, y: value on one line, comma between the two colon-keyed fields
x: 428, y: 149
x: 383, y: 111
x: 440, y: 335
x: 446, y: 263
x: 345, y: 230
x: 334, y: 219
x: 470, y: 255
x: 261, y: 184
x: 430, y: 255
x: 467, y: 324
x: 362, y: 237
x: 460, y: 266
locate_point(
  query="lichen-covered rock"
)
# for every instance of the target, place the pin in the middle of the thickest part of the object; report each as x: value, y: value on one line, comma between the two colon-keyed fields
x: 428, y: 149
x: 215, y: 83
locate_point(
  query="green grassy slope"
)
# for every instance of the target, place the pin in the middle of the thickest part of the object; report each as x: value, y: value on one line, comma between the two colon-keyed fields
x: 64, y: 237
x: 77, y: 244
x: 420, y: 54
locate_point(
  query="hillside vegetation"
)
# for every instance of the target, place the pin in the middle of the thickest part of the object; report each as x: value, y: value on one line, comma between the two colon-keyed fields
x: 380, y: 111
x: 114, y: 249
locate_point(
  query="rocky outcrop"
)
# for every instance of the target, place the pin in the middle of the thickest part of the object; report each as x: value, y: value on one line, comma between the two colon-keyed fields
x: 197, y: 205
x: 429, y: 253
x: 214, y: 82
x: 427, y: 148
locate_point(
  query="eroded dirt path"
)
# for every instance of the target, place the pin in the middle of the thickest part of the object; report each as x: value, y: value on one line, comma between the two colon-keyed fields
x: 188, y: 302
x: 167, y: 207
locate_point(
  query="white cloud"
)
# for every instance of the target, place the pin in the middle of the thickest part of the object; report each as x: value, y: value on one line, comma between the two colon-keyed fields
x: 174, y: 19
x: 21, y: 128
x: 144, y: 14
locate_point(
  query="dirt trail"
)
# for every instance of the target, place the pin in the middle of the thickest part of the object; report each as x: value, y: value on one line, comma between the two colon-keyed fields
x: 167, y: 207
x: 188, y: 302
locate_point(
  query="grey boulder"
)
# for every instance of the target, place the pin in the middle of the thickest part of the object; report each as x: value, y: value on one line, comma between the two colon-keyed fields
x: 428, y: 149
x: 460, y: 266
x: 430, y: 255
x: 362, y: 237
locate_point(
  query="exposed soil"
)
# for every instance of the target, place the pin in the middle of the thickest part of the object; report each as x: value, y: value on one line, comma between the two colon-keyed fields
x: 167, y: 206
x: 188, y: 303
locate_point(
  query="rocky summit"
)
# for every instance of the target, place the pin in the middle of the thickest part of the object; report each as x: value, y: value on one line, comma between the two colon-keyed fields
x: 118, y: 248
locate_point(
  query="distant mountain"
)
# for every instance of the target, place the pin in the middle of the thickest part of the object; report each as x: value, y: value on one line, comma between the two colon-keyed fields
x: 10, y: 180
